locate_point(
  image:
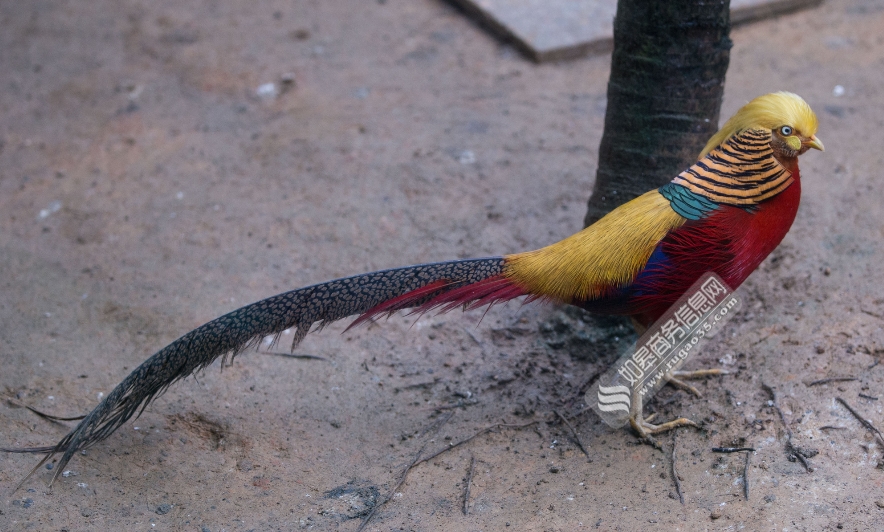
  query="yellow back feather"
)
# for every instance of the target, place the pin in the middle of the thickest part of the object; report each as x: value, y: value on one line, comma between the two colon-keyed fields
x: 768, y: 112
x: 607, y: 254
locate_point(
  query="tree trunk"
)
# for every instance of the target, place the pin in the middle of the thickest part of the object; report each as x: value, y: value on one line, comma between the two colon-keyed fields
x: 664, y: 95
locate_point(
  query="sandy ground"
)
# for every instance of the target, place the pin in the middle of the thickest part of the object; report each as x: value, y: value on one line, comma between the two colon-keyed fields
x: 145, y: 188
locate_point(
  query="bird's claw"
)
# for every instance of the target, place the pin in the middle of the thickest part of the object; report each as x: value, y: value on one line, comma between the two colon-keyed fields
x: 645, y: 429
x: 678, y: 383
x: 676, y: 378
x: 642, y: 425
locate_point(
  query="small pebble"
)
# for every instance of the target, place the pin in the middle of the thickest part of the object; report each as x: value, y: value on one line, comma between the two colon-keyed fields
x: 466, y: 157
x: 715, y: 514
x: 54, y: 207
x: 880, y: 504
x: 164, y: 508
x: 50, y: 466
x: 267, y: 91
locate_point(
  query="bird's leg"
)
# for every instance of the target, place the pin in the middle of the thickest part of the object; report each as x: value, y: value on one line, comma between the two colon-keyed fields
x: 641, y: 424
x: 645, y: 428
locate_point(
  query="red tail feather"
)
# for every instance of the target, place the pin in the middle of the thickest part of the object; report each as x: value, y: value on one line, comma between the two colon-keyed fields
x: 496, y: 289
x: 406, y: 300
x: 491, y: 290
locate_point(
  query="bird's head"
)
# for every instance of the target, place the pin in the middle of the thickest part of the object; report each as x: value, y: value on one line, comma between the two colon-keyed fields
x: 787, y: 116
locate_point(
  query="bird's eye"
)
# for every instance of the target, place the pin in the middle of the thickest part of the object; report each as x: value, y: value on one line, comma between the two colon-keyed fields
x: 785, y: 131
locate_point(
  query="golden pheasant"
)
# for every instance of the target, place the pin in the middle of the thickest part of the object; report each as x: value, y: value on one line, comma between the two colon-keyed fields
x: 724, y: 214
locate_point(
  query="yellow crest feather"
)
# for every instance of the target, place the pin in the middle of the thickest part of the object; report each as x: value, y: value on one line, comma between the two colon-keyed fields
x: 768, y: 112
x: 607, y: 254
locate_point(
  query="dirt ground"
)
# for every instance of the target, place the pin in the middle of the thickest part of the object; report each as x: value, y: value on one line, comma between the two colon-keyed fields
x: 148, y: 186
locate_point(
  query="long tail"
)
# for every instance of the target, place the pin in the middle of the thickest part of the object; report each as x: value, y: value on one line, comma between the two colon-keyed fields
x: 444, y: 285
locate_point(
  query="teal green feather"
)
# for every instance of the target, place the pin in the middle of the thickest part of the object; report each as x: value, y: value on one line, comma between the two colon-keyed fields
x: 686, y: 203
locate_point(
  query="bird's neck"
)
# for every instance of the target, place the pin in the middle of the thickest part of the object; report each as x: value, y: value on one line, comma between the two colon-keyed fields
x: 790, y: 164
x: 742, y: 172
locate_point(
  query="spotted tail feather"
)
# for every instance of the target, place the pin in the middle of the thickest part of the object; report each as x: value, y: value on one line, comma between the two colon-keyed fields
x: 424, y: 286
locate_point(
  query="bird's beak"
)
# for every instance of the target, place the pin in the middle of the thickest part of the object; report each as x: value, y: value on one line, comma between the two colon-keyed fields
x: 815, y: 143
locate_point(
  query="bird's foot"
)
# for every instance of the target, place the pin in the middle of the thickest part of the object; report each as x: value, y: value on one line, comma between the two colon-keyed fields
x: 676, y: 378
x: 642, y: 425
x: 646, y: 429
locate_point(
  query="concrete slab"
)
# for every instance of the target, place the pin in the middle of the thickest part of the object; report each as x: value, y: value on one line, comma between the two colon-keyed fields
x: 549, y: 30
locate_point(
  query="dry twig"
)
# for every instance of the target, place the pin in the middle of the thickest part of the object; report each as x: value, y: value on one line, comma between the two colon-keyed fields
x: 585, y: 409
x: 418, y: 460
x: 473, y: 336
x: 792, y: 452
x: 799, y: 454
x: 831, y: 379
x: 674, y: 471
x: 746, y: 477
x: 732, y: 449
x: 293, y: 355
x: 438, y: 424
x: 865, y: 422
x: 466, y: 491
x: 476, y: 435
x: 574, y: 433
x: 393, y: 491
